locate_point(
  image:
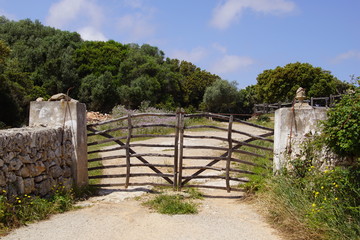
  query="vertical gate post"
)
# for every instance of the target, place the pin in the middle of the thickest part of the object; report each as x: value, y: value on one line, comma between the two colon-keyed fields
x: 229, y: 154
x: 181, y: 147
x: 176, y: 149
x: 128, y: 152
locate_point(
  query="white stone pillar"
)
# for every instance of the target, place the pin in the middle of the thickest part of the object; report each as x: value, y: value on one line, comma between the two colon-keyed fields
x: 69, y: 114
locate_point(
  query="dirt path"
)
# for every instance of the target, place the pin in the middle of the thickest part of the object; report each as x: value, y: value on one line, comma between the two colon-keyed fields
x: 117, y: 215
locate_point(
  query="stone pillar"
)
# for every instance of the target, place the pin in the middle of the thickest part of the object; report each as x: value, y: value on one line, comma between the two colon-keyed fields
x: 292, y: 127
x: 69, y: 114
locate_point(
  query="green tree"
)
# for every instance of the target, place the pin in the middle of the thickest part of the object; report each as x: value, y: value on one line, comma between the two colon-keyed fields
x: 221, y: 97
x: 98, y: 92
x: 281, y: 83
x: 15, y: 89
x: 247, y: 99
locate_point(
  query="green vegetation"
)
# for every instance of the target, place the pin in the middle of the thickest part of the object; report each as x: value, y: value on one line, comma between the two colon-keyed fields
x: 175, y: 203
x: 39, y: 61
x: 342, y: 129
x: 281, y: 83
x: 306, y: 202
x: 17, y: 211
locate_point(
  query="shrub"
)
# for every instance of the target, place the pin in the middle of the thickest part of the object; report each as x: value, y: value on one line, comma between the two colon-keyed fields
x: 342, y: 128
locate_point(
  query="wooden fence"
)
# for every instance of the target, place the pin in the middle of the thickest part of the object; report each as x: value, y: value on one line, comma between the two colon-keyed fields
x: 314, y: 102
x: 181, y: 172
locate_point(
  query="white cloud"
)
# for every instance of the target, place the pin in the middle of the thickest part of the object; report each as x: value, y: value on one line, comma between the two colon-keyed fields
x: 136, y: 26
x: 64, y: 12
x: 352, y: 54
x: 84, y: 13
x: 220, y: 48
x: 231, y: 63
x: 231, y: 10
x: 194, y: 56
x: 133, y: 3
x: 91, y: 34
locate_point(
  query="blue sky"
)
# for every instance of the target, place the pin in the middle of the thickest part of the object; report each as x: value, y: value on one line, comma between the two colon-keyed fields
x: 236, y: 39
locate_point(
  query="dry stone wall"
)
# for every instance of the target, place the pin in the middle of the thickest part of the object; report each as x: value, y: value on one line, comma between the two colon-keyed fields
x: 34, y: 160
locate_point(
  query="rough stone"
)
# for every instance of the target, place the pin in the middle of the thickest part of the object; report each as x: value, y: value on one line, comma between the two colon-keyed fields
x: 29, y: 185
x: 20, y: 185
x: 41, y: 178
x: 67, y: 172
x: 15, y: 164
x: 56, y: 171
x: 11, y: 177
x: 25, y: 172
x: 2, y: 179
x: 44, y: 187
x: 2, y: 162
x: 25, y: 159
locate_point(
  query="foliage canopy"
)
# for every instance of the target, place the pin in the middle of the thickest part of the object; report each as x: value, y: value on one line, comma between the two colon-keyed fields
x: 281, y: 83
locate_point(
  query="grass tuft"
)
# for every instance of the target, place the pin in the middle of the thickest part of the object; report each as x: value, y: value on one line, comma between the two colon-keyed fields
x: 172, y: 204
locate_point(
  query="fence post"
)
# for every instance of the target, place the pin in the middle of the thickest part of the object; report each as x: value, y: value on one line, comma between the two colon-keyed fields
x: 176, y: 149
x: 181, y: 147
x: 128, y: 152
x: 228, y: 161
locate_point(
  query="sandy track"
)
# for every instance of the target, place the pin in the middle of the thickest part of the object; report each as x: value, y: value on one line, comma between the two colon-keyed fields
x: 117, y: 215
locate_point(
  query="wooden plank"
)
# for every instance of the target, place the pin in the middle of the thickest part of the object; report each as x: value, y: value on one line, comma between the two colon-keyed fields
x: 107, y: 150
x: 112, y: 139
x: 133, y: 116
x: 229, y: 154
x: 211, y: 115
x: 153, y: 125
x: 152, y: 145
x: 249, y: 153
x: 152, y: 136
x: 127, y: 148
x: 205, y: 147
x: 106, y: 158
x: 131, y: 175
x: 130, y: 184
x: 216, y: 177
x: 132, y: 165
x: 252, y: 136
x: 176, y: 149
x: 106, y: 131
x: 206, y: 137
x: 152, y: 155
x: 132, y: 151
x: 181, y: 148
x: 213, y: 187
x: 206, y: 126
x: 221, y: 169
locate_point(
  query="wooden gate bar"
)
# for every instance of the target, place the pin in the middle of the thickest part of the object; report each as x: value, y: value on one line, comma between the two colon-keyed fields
x: 229, y: 154
x: 132, y: 165
x: 220, y: 169
x: 133, y: 152
x: 223, y: 155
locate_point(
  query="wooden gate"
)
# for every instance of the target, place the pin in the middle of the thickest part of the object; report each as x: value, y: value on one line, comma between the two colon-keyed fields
x: 186, y: 158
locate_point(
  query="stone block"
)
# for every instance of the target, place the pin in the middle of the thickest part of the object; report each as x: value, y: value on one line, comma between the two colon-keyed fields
x: 29, y: 185
x: 15, y: 164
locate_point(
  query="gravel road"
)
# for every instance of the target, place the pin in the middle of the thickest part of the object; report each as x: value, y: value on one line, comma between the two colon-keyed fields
x: 118, y: 215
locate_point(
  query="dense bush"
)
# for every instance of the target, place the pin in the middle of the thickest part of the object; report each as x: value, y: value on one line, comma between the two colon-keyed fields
x: 342, y: 128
